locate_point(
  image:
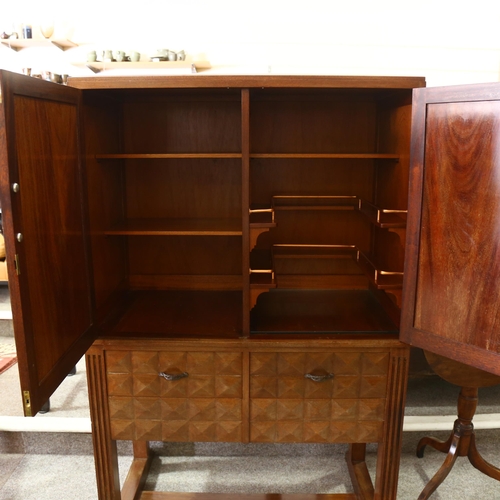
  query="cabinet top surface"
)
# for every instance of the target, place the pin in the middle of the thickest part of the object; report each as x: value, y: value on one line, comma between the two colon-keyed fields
x: 247, y: 81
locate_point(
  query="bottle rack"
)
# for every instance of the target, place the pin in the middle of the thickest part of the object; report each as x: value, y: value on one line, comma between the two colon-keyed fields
x: 384, y: 218
x: 321, y: 266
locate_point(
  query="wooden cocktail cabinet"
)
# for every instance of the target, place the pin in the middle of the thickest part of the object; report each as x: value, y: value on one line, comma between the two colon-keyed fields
x: 229, y: 251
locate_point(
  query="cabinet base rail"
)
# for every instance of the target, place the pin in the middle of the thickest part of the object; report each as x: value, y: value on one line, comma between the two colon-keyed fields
x: 139, y: 469
x: 156, y: 495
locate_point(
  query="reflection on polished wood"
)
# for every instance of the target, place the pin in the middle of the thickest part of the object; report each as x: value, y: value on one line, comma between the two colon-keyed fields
x: 151, y: 156
x: 178, y: 227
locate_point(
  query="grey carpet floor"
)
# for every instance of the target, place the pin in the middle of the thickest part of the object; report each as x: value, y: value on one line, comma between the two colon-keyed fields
x: 55, y: 467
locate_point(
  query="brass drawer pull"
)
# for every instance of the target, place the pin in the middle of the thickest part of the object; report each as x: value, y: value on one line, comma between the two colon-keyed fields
x: 168, y: 376
x: 319, y: 378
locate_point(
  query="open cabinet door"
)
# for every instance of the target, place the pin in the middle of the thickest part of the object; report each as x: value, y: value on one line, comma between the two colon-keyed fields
x: 41, y: 188
x: 451, y: 299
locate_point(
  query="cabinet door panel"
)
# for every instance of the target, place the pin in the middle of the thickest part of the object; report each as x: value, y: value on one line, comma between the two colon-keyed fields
x: 49, y: 284
x: 452, y: 293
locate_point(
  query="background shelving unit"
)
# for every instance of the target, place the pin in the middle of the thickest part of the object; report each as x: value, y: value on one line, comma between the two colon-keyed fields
x: 27, y: 43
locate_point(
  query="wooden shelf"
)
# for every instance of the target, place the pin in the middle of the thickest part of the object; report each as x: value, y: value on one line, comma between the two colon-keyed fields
x: 320, y: 267
x: 177, y: 227
x: 261, y: 216
x: 120, y: 156
x: 285, y: 202
x: 382, y: 280
x: 319, y: 311
x: 190, y: 66
x: 313, y: 156
x: 160, y: 156
x: 262, y: 269
x: 383, y: 217
x: 182, y: 313
x: 26, y: 43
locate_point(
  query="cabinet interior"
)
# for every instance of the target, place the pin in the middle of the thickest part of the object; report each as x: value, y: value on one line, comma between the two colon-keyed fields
x: 247, y: 212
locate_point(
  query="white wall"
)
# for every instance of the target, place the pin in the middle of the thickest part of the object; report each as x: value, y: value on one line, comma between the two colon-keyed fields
x: 448, y: 42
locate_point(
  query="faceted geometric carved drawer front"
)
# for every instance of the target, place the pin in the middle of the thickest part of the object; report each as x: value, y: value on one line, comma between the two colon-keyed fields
x: 349, y: 406
x: 204, y: 406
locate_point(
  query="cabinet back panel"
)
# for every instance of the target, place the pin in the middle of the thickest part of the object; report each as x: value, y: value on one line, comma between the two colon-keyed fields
x: 318, y: 228
x: 310, y: 177
x: 394, y: 131
x: 325, y: 311
x: 302, y: 125
x: 106, y: 204
x: 182, y: 126
x: 389, y: 249
x: 175, y: 255
x: 183, y: 188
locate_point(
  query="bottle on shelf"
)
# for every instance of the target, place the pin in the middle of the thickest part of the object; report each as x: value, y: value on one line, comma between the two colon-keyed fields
x: 27, y: 31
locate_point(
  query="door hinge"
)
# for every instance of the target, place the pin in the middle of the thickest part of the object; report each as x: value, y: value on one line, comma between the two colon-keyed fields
x: 27, y: 403
x: 16, y: 264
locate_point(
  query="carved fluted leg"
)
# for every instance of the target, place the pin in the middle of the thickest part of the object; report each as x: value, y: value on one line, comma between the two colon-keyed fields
x: 105, y: 454
x: 389, y: 449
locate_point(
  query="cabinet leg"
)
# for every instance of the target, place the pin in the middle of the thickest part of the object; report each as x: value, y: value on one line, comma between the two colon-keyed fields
x: 360, y: 477
x: 105, y: 454
x: 138, y: 471
x: 389, y: 446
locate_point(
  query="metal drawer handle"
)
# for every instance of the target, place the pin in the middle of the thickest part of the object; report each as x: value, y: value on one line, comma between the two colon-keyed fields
x: 168, y: 376
x: 319, y: 378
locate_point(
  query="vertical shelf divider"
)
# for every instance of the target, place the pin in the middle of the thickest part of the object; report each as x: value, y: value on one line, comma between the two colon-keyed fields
x: 245, y: 207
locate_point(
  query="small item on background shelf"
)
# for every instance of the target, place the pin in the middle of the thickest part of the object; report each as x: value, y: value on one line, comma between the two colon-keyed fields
x: 27, y: 71
x: 27, y: 33
x: 107, y: 56
x: 135, y: 56
x: 120, y: 56
x: 161, y: 55
x: 55, y: 78
x: 92, y: 56
x: 47, y: 29
x: 168, y: 55
x: 6, y: 36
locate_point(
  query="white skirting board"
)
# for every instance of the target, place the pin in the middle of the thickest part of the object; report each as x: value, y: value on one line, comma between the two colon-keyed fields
x: 83, y: 425
x: 45, y: 424
x: 7, y: 314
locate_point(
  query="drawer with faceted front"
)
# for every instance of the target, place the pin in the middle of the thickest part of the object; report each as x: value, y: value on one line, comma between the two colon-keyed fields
x: 318, y: 397
x: 175, y: 396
